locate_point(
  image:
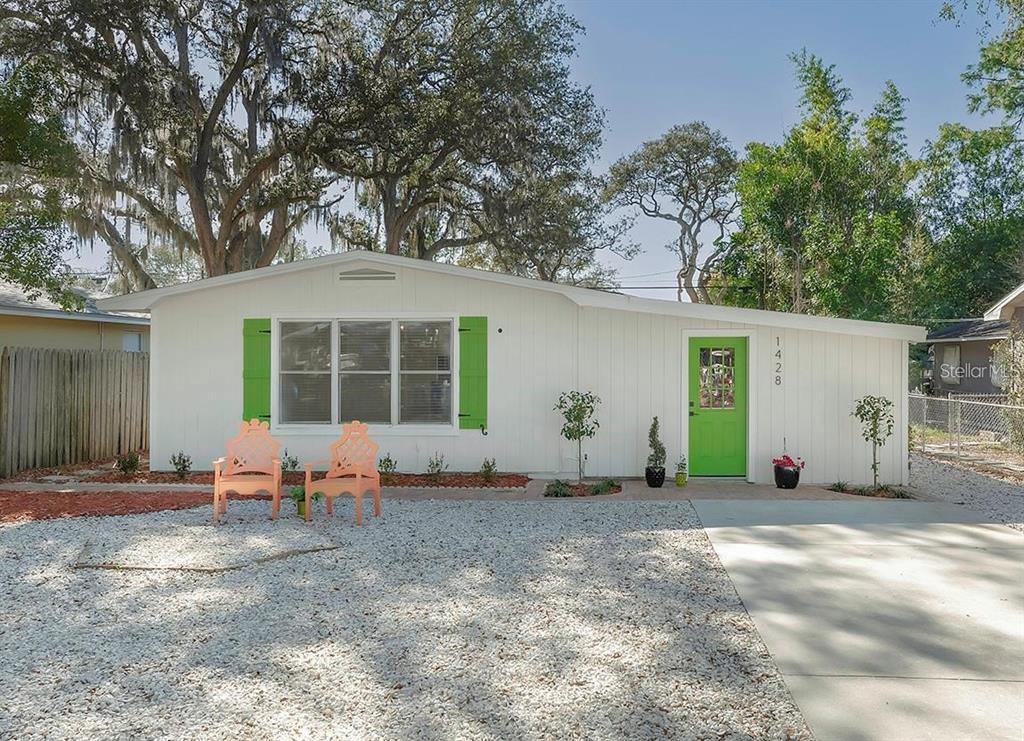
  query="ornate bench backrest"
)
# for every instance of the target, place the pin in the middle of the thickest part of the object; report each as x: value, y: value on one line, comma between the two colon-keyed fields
x: 354, y: 452
x: 253, y: 450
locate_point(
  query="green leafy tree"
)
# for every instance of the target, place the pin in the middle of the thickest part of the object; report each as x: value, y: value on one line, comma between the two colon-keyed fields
x: 997, y: 78
x: 826, y: 218
x: 35, y: 154
x: 578, y: 409
x: 1009, y: 357
x: 875, y: 415
x: 686, y: 177
x: 972, y: 185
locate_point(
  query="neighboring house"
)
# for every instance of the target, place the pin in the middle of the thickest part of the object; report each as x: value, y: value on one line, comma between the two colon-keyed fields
x: 961, y: 353
x: 446, y: 360
x: 39, y: 322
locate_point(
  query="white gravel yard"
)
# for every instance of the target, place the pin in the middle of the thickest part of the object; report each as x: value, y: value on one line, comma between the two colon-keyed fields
x: 1001, y: 500
x: 448, y: 619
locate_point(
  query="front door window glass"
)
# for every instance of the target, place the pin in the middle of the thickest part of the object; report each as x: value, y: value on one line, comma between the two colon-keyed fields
x: 717, y: 378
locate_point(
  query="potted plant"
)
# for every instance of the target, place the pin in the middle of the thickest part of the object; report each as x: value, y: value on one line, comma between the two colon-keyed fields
x: 298, y: 495
x: 787, y: 471
x: 681, y: 471
x: 655, y: 471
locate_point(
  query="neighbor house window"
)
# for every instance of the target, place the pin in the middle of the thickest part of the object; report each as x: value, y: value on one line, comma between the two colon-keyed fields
x: 950, y: 371
x: 384, y: 371
x: 131, y: 341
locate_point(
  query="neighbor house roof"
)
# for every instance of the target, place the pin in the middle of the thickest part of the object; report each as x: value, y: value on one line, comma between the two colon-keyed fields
x: 15, y: 301
x: 970, y: 329
x: 145, y: 300
x: 1004, y: 307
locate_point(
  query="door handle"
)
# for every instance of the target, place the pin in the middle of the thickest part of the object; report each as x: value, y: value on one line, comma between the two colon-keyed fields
x: 693, y: 414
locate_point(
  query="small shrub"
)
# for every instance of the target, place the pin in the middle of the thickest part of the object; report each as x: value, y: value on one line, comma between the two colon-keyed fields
x: 489, y: 470
x: 840, y: 486
x: 387, y: 464
x: 603, y: 487
x: 681, y: 464
x: 289, y: 462
x: 657, y: 457
x: 436, y: 465
x: 298, y: 494
x: 182, y: 463
x: 884, y: 492
x: 558, y: 488
x: 128, y: 462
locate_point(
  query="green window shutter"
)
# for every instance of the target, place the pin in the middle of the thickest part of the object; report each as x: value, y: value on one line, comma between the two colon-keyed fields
x: 256, y: 369
x: 472, y: 372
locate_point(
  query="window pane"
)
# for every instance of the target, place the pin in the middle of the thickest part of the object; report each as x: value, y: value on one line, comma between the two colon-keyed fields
x: 305, y: 397
x: 426, y: 398
x: 426, y: 346
x: 131, y: 341
x: 306, y: 346
x: 366, y: 397
x: 717, y: 378
x: 365, y: 346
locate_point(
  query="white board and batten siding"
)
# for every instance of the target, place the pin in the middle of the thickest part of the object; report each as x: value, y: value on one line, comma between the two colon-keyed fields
x: 550, y: 341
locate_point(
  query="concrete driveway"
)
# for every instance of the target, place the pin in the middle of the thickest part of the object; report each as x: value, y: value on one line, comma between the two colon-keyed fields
x: 888, y: 619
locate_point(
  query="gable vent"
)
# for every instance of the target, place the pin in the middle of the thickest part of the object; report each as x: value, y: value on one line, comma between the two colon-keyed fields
x: 365, y: 274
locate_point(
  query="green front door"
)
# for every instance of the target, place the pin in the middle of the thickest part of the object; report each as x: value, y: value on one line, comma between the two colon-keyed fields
x: 718, y: 406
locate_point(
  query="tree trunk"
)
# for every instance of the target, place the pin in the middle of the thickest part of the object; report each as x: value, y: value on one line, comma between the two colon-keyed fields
x: 122, y: 251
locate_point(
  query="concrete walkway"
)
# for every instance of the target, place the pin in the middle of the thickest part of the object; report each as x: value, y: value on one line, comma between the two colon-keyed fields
x: 890, y: 620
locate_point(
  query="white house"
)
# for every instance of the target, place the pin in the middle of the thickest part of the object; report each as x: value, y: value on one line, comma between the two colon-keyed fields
x: 467, y: 363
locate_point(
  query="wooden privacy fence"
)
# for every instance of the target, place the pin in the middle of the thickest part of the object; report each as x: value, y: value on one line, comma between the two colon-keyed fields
x: 69, y: 406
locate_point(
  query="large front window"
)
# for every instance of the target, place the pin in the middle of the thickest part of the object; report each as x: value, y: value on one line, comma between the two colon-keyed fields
x: 379, y: 371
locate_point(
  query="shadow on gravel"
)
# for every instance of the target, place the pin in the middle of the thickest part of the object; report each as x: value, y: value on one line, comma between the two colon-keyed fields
x: 441, y: 619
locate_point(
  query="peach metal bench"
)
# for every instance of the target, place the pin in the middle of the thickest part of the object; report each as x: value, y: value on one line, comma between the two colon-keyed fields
x: 353, y: 471
x: 251, y: 465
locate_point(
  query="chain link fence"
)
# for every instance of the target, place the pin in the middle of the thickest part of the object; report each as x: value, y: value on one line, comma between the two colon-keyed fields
x: 981, y: 428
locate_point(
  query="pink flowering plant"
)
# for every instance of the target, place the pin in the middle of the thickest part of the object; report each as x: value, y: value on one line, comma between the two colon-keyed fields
x: 786, y: 461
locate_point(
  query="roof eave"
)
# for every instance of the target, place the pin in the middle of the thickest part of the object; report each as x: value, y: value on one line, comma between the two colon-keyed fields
x: 103, y: 317
x: 1004, y: 308
x: 144, y: 300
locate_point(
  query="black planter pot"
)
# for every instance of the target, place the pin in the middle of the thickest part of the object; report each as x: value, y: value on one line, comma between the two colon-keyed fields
x: 655, y: 476
x: 787, y: 477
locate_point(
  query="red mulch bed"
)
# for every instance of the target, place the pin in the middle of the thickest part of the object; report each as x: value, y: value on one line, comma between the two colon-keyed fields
x: 107, y: 474
x: 879, y: 493
x: 47, y: 505
x: 456, y: 480
x: 294, y: 478
x: 583, y: 490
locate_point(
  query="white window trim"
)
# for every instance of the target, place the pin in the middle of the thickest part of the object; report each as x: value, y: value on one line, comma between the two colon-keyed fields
x: 376, y: 430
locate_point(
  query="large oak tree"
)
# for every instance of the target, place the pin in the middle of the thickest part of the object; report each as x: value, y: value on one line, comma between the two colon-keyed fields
x: 185, y: 120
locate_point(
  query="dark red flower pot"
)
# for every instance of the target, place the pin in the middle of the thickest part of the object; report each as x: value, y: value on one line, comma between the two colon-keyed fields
x: 787, y: 477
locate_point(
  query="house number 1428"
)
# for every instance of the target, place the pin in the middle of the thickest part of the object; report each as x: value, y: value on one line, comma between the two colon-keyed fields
x: 778, y: 361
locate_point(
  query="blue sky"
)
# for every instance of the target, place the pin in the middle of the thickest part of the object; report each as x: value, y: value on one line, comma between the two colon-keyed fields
x: 654, y: 64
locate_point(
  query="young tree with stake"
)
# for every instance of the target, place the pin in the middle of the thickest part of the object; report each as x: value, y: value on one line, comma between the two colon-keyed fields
x: 875, y: 416
x: 578, y: 408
